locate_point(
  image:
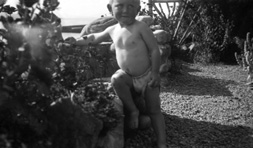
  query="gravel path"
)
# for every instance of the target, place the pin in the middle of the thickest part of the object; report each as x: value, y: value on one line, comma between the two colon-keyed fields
x: 207, y: 106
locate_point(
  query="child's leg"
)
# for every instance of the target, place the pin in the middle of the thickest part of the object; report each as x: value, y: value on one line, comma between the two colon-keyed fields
x: 153, y: 106
x: 122, y: 84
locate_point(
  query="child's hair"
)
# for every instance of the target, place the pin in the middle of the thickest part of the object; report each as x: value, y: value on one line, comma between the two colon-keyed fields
x: 136, y: 1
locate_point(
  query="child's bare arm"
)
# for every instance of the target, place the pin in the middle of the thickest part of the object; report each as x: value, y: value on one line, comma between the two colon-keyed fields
x: 152, y: 45
x: 93, y: 39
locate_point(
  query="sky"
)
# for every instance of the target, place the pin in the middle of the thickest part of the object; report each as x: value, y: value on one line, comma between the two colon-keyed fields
x: 84, y: 10
x: 78, y: 12
x: 81, y: 10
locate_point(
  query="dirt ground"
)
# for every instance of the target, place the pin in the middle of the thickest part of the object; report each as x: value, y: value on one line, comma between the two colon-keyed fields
x: 206, y: 106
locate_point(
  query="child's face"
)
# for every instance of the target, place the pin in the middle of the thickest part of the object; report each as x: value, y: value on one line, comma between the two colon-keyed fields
x: 124, y: 11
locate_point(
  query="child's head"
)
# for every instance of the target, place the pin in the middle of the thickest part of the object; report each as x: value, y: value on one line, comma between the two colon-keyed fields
x: 124, y: 11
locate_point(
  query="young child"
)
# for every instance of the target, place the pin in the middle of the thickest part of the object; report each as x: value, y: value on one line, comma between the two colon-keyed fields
x: 138, y: 57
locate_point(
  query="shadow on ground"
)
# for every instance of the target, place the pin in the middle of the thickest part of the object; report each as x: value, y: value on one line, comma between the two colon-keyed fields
x: 187, y: 84
x: 203, y: 95
x: 187, y: 133
x: 190, y: 133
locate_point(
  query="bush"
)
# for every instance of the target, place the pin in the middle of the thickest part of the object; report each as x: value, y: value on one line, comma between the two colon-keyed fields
x: 210, y: 31
x: 39, y: 73
x: 203, y: 24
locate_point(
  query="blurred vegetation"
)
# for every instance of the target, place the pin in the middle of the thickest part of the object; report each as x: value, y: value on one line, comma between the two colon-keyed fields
x: 46, y: 86
x: 203, y: 31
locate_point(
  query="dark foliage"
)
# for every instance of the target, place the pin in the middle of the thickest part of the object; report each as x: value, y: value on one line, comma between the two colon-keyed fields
x: 45, y: 85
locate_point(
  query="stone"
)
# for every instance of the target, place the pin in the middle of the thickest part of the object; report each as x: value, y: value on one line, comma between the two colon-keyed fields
x: 102, y: 23
x: 98, y: 25
x: 156, y: 27
x: 115, y: 137
x: 72, y: 122
x: 162, y: 36
x: 165, y: 51
x: 146, y: 19
x: 165, y: 67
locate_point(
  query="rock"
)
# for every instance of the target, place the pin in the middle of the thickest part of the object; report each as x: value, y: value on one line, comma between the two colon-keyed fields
x: 165, y: 67
x: 115, y: 137
x: 165, y: 51
x: 98, y: 25
x: 68, y: 121
x: 156, y: 27
x: 146, y: 19
x: 162, y: 36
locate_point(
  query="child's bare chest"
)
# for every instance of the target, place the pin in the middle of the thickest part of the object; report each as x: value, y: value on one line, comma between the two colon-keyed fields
x: 124, y: 38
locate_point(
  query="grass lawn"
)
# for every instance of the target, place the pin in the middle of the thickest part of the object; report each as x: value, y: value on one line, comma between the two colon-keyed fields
x: 207, y: 106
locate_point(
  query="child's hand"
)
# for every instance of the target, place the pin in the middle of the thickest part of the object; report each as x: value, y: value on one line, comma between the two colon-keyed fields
x: 155, y: 80
x: 70, y: 40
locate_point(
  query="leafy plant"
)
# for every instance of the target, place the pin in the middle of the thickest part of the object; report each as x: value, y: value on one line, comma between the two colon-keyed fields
x: 198, y: 23
x: 212, y: 33
x: 38, y: 71
x: 95, y: 99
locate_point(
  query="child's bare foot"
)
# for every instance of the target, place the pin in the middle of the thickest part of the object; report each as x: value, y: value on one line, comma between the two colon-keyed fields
x: 134, y: 119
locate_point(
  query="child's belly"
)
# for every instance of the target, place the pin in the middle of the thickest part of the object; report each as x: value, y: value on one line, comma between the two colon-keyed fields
x: 134, y: 65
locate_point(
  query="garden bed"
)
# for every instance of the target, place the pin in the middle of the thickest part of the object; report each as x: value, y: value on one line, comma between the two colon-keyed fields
x: 207, y: 106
